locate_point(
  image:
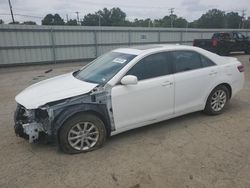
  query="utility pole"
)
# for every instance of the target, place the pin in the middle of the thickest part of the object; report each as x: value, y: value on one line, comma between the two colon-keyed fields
x: 11, y: 12
x: 171, y: 10
x: 77, y: 17
x: 67, y: 17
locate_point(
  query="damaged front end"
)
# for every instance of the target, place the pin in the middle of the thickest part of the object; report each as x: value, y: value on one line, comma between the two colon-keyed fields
x: 31, y: 124
x: 44, y: 122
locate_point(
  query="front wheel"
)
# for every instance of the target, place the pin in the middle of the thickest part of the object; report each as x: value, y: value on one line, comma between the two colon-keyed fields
x: 82, y: 133
x: 217, y: 100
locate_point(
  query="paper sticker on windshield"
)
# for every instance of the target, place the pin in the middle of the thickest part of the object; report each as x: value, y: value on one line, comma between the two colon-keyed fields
x: 119, y: 60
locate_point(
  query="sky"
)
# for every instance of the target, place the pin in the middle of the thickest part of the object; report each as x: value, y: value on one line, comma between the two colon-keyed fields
x: 154, y: 9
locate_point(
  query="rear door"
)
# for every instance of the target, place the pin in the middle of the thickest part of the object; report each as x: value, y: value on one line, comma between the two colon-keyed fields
x: 194, y: 77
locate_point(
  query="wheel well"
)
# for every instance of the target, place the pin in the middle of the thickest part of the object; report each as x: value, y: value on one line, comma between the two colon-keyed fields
x: 228, y: 87
x: 104, y: 120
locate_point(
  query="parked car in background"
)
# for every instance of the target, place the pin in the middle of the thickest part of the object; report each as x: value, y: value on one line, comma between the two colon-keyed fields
x: 225, y: 42
x: 125, y: 89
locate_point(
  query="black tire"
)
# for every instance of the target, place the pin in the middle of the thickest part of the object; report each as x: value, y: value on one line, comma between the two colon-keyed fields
x: 64, y: 132
x: 209, y: 108
x: 247, y: 51
x: 223, y: 52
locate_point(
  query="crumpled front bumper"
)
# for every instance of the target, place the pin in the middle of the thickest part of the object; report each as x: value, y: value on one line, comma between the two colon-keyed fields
x: 26, y: 125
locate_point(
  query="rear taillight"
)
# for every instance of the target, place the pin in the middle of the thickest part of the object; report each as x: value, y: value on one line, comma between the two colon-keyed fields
x: 241, y: 68
x: 215, y: 42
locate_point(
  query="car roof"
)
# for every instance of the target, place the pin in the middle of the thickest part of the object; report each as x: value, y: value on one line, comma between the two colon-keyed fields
x: 137, y: 50
x: 148, y: 49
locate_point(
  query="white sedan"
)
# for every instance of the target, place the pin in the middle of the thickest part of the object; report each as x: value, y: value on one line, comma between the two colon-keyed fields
x: 125, y: 89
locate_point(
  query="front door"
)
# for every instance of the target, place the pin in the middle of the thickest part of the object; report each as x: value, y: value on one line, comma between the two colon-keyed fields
x: 151, y: 99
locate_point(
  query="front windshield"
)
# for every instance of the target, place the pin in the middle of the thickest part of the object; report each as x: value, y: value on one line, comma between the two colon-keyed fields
x: 104, y: 68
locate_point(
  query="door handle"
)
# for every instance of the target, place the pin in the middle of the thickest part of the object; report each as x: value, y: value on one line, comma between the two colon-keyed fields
x: 167, y: 83
x: 213, y: 73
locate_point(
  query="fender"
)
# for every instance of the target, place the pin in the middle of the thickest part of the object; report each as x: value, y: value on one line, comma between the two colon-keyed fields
x: 61, y: 115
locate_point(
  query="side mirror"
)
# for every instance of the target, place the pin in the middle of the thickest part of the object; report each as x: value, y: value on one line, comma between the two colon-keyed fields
x: 129, y: 80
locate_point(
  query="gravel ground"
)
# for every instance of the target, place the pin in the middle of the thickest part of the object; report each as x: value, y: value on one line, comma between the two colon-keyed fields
x: 194, y: 150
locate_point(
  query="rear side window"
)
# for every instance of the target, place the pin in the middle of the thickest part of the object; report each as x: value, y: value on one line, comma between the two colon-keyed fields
x: 152, y: 66
x: 222, y: 36
x: 206, y: 62
x: 186, y: 60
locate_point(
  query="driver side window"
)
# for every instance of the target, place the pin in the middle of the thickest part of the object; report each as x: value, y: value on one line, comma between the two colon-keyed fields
x: 152, y: 66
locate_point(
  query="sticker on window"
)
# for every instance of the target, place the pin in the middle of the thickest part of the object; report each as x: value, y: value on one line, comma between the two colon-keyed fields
x: 119, y: 60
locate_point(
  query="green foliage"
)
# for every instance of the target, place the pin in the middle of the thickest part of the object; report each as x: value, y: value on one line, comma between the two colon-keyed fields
x: 180, y: 23
x: 213, y: 18
x: 50, y: 19
x: 16, y: 22
x: 218, y: 19
x: 72, y: 22
x: 106, y: 17
x: 233, y: 20
x: 91, y: 20
x: 142, y: 23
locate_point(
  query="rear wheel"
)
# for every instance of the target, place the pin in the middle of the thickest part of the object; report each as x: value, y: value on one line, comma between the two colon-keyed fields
x: 247, y: 51
x: 82, y: 133
x: 217, y: 100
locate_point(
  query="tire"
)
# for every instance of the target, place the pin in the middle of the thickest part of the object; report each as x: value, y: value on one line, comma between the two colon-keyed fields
x: 217, y: 100
x: 247, y: 51
x: 223, y: 52
x: 82, y: 133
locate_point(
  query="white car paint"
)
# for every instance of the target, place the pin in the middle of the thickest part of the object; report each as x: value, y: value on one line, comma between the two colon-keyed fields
x: 54, y: 89
x: 188, y: 93
x: 148, y: 101
x: 135, y: 105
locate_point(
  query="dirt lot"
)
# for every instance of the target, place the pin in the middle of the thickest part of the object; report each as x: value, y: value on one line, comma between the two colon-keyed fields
x: 191, y: 151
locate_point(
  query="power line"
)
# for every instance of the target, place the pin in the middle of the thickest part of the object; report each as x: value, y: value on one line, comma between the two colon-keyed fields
x: 5, y: 14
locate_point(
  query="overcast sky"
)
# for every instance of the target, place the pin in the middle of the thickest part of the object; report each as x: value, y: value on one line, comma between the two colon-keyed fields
x: 189, y: 9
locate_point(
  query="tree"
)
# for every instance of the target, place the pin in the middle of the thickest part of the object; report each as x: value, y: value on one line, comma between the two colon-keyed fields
x: 72, y: 22
x: 180, y: 23
x: 58, y: 20
x: 1, y: 21
x: 16, y: 22
x: 106, y: 17
x: 142, y: 23
x: 233, y: 20
x: 117, y: 17
x: 50, y: 19
x: 91, y: 20
x: 212, y: 19
x: 29, y: 23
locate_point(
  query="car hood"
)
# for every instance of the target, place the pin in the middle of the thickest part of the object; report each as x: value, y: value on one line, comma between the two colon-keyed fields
x: 53, y: 89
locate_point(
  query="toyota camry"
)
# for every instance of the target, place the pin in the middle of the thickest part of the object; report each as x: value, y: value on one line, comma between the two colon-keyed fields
x: 125, y: 89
